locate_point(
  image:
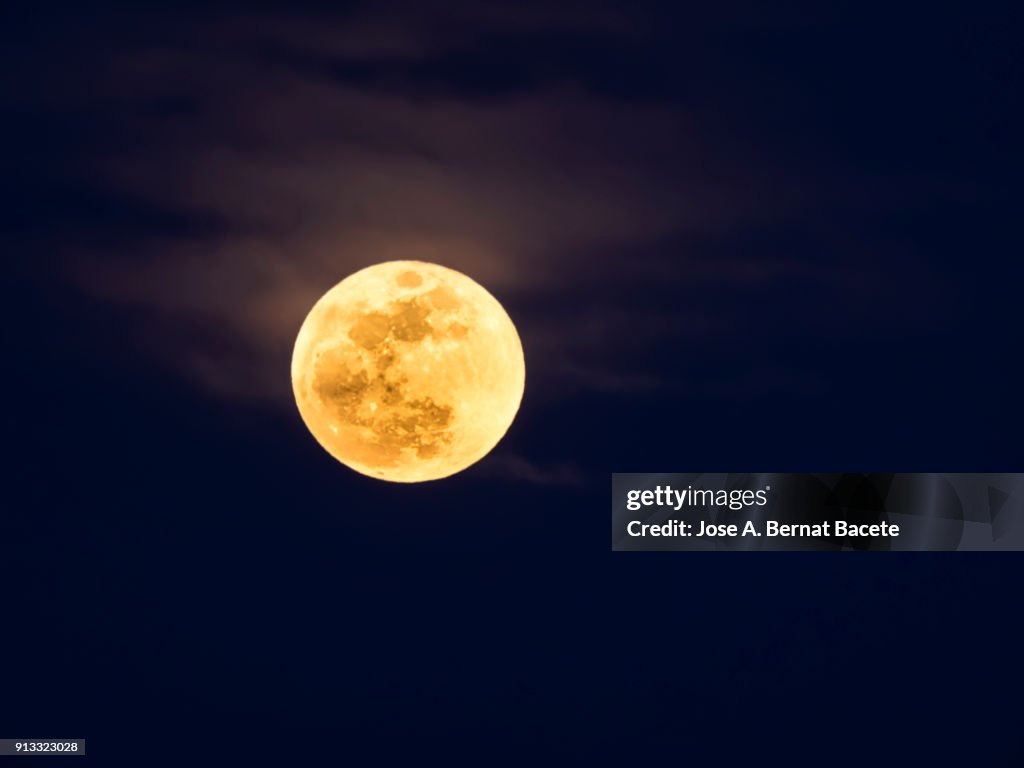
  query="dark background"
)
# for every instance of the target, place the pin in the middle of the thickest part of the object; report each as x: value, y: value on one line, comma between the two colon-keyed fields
x: 733, y: 238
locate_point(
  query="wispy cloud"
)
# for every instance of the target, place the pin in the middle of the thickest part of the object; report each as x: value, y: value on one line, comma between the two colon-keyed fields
x: 515, y: 467
x: 256, y: 160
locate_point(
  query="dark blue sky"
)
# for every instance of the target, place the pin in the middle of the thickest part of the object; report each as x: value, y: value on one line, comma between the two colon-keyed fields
x: 732, y: 239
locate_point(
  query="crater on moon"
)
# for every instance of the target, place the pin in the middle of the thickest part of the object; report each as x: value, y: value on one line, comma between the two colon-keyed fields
x: 408, y: 371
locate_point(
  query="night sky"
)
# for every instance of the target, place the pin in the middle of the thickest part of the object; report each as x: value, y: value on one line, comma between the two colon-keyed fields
x: 733, y: 238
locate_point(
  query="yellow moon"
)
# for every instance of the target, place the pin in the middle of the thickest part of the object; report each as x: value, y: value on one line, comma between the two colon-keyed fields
x: 408, y: 371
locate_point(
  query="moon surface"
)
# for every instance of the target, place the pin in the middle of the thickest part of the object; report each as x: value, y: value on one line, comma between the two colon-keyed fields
x: 408, y: 371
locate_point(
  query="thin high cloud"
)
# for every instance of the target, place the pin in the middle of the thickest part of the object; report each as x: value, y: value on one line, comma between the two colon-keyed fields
x: 284, y: 153
x: 312, y: 179
x: 512, y: 466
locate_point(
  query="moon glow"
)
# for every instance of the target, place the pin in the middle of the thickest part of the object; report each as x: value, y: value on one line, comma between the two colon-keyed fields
x: 408, y: 371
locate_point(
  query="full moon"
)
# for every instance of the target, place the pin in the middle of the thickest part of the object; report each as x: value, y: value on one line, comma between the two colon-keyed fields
x: 408, y: 371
